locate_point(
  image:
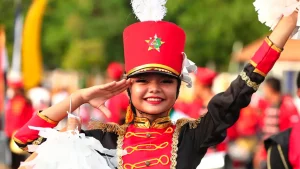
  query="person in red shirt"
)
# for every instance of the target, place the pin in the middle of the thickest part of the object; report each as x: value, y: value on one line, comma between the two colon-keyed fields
x: 283, y: 148
x: 280, y: 114
x: 18, y: 112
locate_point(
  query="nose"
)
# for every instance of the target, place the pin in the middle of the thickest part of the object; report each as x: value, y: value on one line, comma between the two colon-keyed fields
x: 154, y: 87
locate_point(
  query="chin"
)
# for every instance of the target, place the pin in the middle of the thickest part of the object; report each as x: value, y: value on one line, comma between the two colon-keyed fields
x: 153, y: 111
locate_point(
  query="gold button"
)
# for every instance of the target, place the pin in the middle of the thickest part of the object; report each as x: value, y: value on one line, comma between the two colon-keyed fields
x: 36, y: 142
x: 148, y: 135
x: 147, y: 163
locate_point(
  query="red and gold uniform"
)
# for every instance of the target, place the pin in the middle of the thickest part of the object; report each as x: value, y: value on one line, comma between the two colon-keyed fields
x: 146, y: 142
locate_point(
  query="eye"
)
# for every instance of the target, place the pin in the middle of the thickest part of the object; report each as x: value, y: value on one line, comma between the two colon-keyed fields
x: 141, y: 80
x: 167, y: 81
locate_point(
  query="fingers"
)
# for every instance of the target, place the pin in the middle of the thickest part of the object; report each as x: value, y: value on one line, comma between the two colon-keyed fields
x: 121, y: 84
x: 118, y: 85
x: 125, y: 83
x: 121, y: 88
x: 110, y: 89
x: 110, y: 86
x: 105, y: 110
x: 107, y: 85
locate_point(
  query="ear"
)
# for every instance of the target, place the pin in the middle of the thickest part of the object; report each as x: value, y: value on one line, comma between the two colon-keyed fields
x: 298, y: 92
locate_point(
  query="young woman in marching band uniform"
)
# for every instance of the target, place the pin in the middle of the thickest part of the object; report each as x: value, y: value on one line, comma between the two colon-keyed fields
x: 155, y: 65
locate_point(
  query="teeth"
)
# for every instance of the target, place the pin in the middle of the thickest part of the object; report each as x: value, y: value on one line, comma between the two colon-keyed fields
x: 154, y: 99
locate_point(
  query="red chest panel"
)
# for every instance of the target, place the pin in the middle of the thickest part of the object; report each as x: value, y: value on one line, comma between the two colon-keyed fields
x: 149, y: 148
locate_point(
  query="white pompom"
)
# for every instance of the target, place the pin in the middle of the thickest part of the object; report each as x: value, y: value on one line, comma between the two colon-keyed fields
x: 149, y: 10
x: 271, y: 11
x: 69, y: 150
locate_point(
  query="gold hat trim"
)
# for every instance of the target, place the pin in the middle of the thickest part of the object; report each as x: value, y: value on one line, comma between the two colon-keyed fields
x: 159, y: 67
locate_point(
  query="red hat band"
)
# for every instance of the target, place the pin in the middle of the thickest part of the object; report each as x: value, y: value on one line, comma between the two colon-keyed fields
x: 154, y: 46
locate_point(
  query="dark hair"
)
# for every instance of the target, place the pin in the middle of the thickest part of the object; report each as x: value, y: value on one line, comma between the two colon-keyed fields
x: 298, y: 80
x: 274, y: 83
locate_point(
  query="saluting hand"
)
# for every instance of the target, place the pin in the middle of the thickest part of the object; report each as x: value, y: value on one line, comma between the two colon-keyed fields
x: 98, y: 95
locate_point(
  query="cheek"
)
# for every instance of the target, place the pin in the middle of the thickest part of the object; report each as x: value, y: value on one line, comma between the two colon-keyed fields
x: 170, y: 92
x: 267, y: 91
x: 137, y: 92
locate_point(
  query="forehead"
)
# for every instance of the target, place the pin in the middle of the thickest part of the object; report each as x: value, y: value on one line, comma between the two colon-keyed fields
x: 153, y: 75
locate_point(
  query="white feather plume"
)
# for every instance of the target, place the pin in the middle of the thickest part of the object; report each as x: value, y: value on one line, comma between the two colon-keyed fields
x: 149, y: 10
x: 271, y: 11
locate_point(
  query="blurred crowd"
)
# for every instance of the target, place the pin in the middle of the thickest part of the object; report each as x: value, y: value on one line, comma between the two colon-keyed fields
x: 269, y: 112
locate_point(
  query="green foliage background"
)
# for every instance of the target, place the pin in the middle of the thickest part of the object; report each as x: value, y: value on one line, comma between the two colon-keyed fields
x: 86, y: 35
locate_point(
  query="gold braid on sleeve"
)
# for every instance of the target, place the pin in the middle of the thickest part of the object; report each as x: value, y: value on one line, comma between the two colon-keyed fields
x: 248, y: 81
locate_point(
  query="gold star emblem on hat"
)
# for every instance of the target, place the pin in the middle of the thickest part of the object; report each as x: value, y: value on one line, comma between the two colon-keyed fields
x: 154, y: 43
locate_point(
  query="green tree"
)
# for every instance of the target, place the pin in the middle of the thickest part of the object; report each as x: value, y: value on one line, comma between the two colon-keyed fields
x: 86, y: 35
x: 213, y: 26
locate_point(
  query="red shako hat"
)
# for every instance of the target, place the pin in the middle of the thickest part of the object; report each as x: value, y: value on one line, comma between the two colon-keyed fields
x: 153, y: 45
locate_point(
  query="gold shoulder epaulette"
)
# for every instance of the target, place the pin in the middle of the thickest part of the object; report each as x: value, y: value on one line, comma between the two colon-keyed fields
x: 107, y: 127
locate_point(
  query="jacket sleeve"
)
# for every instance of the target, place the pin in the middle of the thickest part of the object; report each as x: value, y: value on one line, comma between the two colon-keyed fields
x: 224, y: 108
x: 275, y: 159
x: 294, y: 147
x: 25, y: 136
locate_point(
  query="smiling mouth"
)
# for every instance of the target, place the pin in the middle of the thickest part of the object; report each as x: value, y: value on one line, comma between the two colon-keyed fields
x: 152, y: 100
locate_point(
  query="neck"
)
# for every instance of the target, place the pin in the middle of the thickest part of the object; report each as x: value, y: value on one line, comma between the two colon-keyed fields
x: 151, y: 117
